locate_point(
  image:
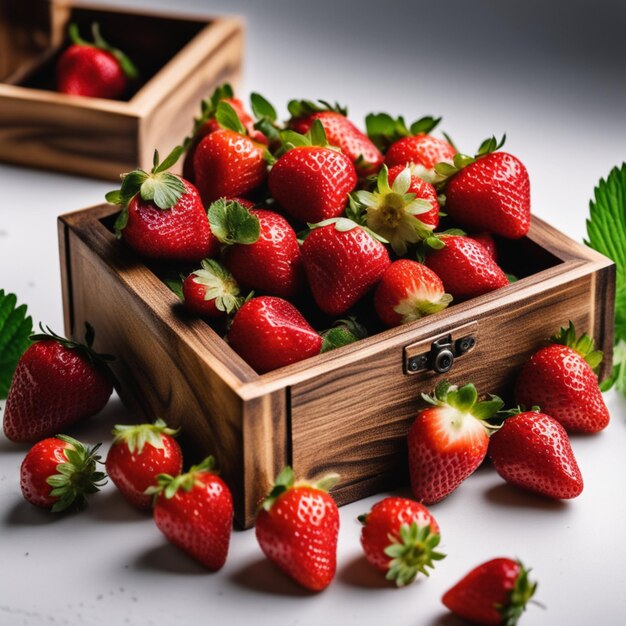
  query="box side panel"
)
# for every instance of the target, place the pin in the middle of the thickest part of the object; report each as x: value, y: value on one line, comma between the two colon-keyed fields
x: 354, y: 421
x: 176, y: 102
x: 604, y: 317
x: 63, y: 137
x: 158, y: 374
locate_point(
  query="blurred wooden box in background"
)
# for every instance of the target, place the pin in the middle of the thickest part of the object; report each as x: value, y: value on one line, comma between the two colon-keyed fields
x: 347, y: 410
x: 181, y: 60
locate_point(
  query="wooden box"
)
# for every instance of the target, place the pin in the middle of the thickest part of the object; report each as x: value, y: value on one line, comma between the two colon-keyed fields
x: 181, y: 60
x: 346, y: 411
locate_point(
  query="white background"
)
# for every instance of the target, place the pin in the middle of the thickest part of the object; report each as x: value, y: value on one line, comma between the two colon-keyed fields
x: 552, y: 78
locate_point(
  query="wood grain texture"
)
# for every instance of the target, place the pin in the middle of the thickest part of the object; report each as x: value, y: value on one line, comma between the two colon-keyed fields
x: 346, y: 411
x: 102, y: 138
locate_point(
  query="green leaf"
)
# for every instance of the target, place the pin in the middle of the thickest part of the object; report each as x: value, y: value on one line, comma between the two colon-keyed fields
x: 606, y: 233
x: 342, y: 333
x: 176, y: 286
x: 261, y: 108
x: 424, y: 125
x: 318, y: 134
x: 169, y: 161
x: 227, y: 118
x: 232, y: 223
x: 15, y: 330
x: 292, y: 138
x: 128, y: 67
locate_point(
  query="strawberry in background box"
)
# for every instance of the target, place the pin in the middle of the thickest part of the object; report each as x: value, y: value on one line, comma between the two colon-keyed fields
x: 97, y: 69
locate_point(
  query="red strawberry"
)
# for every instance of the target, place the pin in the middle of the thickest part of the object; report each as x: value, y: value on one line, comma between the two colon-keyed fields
x: 465, y: 267
x: 340, y: 131
x: 342, y: 263
x: 560, y: 379
x: 492, y: 594
x: 211, y: 291
x: 59, y: 473
x: 490, y: 191
x: 532, y: 451
x: 297, y: 528
x: 422, y: 151
x: 311, y: 181
x: 269, y: 333
x: 488, y: 242
x: 56, y: 382
x: 207, y: 123
x: 407, y: 292
x: 262, y: 250
x: 227, y: 162
x: 448, y: 440
x: 195, y: 512
x: 403, y: 209
x: 138, y: 454
x: 163, y: 216
x: 399, y: 537
x: 94, y: 69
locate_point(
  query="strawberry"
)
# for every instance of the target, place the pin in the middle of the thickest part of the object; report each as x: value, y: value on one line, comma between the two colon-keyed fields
x: 532, y: 451
x: 96, y: 70
x: 58, y: 473
x: 342, y: 262
x: 162, y: 215
x: 297, y: 528
x: 211, y: 291
x: 207, y: 123
x: 195, y: 512
x: 490, y: 191
x: 311, y: 181
x: 269, y: 333
x: 487, y: 241
x: 340, y: 131
x: 403, y: 208
x: 56, y: 383
x: 140, y: 452
x: 561, y: 379
x: 493, y: 594
x: 407, y: 292
x: 228, y: 162
x: 465, y: 267
x: 448, y: 440
x: 261, y: 240
x: 399, y: 537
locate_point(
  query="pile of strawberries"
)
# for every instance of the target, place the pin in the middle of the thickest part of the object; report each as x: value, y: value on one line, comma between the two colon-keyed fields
x: 315, y: 217
x: 297, y: 524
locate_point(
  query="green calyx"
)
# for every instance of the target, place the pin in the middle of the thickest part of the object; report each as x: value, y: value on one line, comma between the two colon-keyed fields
x: 97, y: 359
x: 584, y: 345
x: 169, y: 485
x: 227, y: 118
x: 344, y: 225
x: 316, y: 136
x: 304, y: 108
x: 412, y: 552
x: 159, y: 186
x: 220, y: 285
x: 342, y: 333
x: 383, y: 129
x: 393, y: 213
x: 208, y: 109
x: 465, y: 400
x: 77, y: 477
x: 521, y: 594
x: 127, y: 66
x: 286, y: 480
x: 136, y: 436
x: 412, y: 309
x: 460, y: 161
x: 233, y: 223
x: 266, y: 117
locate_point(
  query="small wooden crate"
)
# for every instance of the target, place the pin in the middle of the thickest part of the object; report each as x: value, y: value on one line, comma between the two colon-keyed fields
x: 181, y: 60
x: 346, y: 411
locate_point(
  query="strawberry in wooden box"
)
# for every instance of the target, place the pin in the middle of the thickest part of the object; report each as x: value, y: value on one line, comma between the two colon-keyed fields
x: 252, y: 377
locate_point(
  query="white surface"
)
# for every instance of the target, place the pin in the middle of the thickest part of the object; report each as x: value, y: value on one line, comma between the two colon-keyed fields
x: 486, y: 68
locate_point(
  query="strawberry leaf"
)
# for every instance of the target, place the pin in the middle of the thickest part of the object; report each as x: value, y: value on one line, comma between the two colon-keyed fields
x: 261, y: 108
x: 15, y: 330
x: 232, y: 223
x: 227, y: 118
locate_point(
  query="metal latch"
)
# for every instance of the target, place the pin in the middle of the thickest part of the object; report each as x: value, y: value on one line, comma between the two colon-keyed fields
x: 438, y: 354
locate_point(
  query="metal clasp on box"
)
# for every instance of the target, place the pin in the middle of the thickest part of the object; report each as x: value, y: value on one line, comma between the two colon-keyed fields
x: 438, y: 354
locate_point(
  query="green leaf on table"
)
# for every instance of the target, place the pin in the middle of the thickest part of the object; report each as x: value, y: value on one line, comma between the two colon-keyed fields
x: 15, y: 329
x: 606, y: 233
